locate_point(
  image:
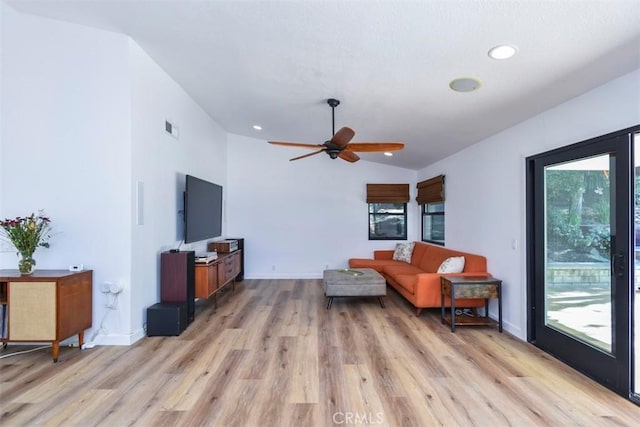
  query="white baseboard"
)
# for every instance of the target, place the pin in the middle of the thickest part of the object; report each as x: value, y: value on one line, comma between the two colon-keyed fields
x: 118, y: 339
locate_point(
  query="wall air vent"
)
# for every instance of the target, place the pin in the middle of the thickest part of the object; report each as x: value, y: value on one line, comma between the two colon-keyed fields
x: 171, y: 129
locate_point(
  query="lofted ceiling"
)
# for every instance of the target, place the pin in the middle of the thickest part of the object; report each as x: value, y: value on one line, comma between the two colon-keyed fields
x: 274, y: 63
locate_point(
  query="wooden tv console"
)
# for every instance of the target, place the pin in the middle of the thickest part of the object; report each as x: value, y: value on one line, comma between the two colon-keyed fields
x: 214, y: 276
x: 46, y: 306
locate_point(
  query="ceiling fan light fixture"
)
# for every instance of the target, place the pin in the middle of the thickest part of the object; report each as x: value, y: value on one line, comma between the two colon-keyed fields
x: 503, y: 51
x: 333, y: 153
x: 340, y: 144
x: 465, y: 84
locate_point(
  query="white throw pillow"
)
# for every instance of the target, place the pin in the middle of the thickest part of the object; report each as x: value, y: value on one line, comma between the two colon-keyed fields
x: 403, y: 252
x: 455, y: 264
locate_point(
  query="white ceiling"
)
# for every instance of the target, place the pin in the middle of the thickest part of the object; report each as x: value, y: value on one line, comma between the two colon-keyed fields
x: 274, y: 63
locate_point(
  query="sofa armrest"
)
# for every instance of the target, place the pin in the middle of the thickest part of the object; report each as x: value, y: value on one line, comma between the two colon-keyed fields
x: 427, y: 284
x: 383, y: 254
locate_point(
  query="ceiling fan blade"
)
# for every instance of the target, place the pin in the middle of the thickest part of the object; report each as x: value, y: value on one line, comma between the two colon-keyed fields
x: 307, y: 155
x: 375, y: 146
x: 343, y: 136
x: 349, y: 156
x: 295, y: 144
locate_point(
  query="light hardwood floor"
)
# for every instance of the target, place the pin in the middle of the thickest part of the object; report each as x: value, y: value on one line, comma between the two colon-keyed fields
x: 273, y: 355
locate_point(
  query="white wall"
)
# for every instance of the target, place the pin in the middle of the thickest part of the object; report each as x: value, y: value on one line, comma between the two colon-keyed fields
x: 300, y: 217
x: 160, y: 163
x: 86, y: 124
x: 66, y: 144
x: 485, y: 184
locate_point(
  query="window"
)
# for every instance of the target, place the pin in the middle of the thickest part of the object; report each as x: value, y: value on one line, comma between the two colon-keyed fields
x: 431, y: 198
x: 387, y: 211
x: 387, y: 221
x: 433, y: 223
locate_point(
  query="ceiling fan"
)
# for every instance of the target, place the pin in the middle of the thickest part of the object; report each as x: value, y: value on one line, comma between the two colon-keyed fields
x: 339, y: 145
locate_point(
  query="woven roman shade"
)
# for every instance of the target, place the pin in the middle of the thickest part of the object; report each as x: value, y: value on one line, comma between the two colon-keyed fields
x: 431, y: 190
x: 387, y: 193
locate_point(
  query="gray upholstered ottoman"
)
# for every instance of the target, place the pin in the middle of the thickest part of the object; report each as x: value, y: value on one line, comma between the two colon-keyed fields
x: 360, y: 282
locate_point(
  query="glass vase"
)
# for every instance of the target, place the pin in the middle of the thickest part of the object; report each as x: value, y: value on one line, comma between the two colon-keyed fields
x: 26, y: 264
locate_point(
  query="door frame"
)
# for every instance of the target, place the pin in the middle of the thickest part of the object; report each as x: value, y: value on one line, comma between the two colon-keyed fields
x: 622, y: 381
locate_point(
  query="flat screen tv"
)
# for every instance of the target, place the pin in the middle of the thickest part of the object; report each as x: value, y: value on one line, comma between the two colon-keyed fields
x: 202, y: 210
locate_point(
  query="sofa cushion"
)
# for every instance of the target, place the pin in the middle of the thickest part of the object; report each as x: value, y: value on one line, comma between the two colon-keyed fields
x: 395, y: 269
x: 376, y: 264
x: 454, y: 264
x: 434, y: 255
x: 403, y: 252
x: 418, y: 252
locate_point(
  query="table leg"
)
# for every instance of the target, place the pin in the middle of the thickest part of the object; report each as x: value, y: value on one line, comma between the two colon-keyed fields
x: 500, y: 307
x: 486, y: 307
x: 453, y: 309
x: 381, y: 302
x: 80, y: 339
x: 3, y: 331
x: 55, y: 350
x: 329, y: 303
x: 442, y: 308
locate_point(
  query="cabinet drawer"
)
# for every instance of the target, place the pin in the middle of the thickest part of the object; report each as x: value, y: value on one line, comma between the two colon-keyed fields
x: 206, y: 281
x: 480, y: 290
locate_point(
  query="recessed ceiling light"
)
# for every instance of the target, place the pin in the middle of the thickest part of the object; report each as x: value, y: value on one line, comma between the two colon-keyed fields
x: 388, y: 154
x: 502, y: 52
x: 257, y: 127
x: 465, y: 84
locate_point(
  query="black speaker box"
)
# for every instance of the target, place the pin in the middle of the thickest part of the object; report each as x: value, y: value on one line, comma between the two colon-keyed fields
x: 177, y: 280
x: 166, y: 319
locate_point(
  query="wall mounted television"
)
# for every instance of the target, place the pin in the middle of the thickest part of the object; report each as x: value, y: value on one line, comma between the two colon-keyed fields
x: 202, y: 210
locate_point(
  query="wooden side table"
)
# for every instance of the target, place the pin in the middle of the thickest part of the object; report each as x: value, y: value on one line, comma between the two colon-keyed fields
x: 470, y: 287
x: 46, y: 306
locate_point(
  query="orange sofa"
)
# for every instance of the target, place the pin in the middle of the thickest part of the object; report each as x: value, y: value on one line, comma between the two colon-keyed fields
x: 418, y: 281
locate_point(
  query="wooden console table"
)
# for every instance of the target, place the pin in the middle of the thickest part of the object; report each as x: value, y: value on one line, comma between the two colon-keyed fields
x: 46, y: 306
x: 214, y: 276
x: 470, y: 287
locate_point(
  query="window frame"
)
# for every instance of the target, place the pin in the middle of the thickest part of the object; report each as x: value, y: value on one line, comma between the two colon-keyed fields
x: 425, y: 213
x: 403, y: 215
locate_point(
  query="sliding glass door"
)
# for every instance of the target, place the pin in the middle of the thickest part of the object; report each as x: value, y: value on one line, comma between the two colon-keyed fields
x: 579, y: 227
x: 636, y: 270
x: 577, y: 243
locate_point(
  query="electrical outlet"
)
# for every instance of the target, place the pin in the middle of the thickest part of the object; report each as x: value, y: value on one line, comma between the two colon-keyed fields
x: 76, y: 267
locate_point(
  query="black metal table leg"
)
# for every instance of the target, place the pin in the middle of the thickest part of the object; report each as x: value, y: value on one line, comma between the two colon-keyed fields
x: 329, y: 303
